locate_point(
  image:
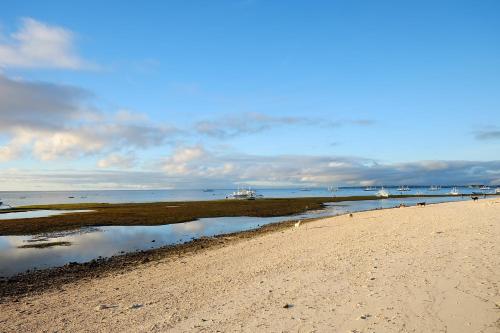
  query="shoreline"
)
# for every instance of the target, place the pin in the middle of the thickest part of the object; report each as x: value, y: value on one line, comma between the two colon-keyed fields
x: 40, y: 280
x: 37, y: 281
x: 381, y: 270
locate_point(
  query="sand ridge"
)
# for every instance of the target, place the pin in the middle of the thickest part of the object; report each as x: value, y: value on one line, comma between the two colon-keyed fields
x: 413, y: 269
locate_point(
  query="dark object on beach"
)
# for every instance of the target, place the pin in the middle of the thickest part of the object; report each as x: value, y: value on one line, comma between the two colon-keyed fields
x: 288, y: 306
x: 475, y: 198
x: 421, y: 203
x: 43, y: 245
x: 350, y: 215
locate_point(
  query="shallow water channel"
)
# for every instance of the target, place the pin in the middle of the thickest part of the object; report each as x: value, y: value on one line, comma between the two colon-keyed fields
x: 91, y: 243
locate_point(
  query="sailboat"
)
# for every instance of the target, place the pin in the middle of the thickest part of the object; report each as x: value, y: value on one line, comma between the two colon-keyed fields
x: 454, y: 191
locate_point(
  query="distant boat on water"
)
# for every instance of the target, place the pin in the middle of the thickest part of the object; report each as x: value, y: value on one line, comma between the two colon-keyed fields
x: 243, y: 194
x: 304, y: 189
x: 370, y: 188
x: 404, y: 188
x: 454, y: 191
x: 434, y: 188
x: 333, y: 188
x: 382, y: 193
x: 485, y: 188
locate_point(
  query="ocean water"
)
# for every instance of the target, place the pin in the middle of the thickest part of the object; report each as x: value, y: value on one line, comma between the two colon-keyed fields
x: 91, y: 243
x: 120, y: 196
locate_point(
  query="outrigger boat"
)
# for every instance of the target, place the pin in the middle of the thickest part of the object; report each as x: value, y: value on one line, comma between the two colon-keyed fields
x: 333, y: 188
x: 382, y: 193
x: 243, y: 194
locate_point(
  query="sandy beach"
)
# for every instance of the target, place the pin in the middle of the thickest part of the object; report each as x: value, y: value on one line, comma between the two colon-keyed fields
x: 412, y: 269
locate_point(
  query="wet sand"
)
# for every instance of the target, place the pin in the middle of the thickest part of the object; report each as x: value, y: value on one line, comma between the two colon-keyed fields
x: 413, y: 269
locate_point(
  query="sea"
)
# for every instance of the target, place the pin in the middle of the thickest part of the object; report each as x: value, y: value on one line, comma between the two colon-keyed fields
x: 23, y: 198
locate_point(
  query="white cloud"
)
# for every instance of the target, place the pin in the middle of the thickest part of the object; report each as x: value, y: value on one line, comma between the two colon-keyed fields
x: 116, y: 161
x: 40, y: 45
x: 180, y: 162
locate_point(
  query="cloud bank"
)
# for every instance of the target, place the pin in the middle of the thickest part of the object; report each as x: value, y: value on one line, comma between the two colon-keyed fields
x: 51, y: 122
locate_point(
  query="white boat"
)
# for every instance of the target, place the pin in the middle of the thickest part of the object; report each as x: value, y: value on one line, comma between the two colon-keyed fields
x: 382, y: 193
x: 243, y: 194
x: 404, y: 188
x: 434, y: 188
x: 485, y: 188
x: 369, y: 188
x: 497, y: 190
x: 454, y: 191
x: 333, y: 188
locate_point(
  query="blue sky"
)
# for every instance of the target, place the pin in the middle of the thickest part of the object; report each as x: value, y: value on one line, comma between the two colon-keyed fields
x: 173, y: 94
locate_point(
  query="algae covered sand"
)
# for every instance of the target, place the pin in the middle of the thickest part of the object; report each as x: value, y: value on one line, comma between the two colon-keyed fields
x: 159, y: 213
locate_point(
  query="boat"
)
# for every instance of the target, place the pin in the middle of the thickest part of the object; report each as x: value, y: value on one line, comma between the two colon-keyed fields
x: 454, y: 191
x: 333, y: 188
x: 404, y: 188
x: 434, y: 188
x: 243, y: 194
x: 485, y: 188
x: 497, y: 190
x: 369, y: 188
x: 304, y: 189
x: 3, y: 205
x: 382, y: 193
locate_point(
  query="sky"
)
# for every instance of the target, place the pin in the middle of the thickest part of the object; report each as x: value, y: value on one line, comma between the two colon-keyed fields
x: 196, y: 94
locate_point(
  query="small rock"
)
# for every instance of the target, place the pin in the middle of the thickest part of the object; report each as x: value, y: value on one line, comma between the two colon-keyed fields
x: 288, y: 306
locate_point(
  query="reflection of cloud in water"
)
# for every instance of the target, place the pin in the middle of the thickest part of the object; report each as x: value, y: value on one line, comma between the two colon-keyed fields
x: 194, y: 226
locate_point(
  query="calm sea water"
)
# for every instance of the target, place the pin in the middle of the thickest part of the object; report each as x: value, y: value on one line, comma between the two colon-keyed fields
x: 91, y: 243
x: 53, y: 197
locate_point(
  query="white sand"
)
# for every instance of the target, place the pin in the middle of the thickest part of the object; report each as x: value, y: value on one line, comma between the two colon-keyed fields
x: 431, y: 269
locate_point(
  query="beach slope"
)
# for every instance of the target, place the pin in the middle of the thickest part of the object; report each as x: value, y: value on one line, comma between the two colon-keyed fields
x: 413, y: 269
